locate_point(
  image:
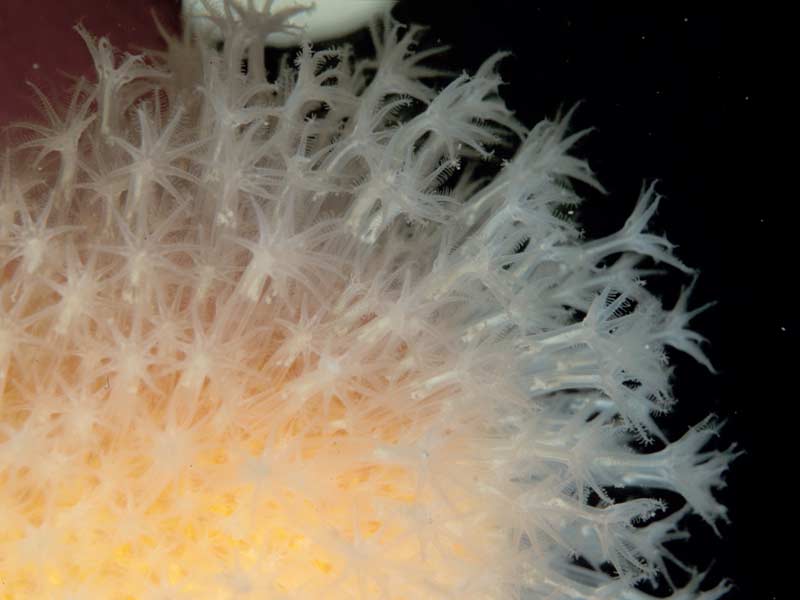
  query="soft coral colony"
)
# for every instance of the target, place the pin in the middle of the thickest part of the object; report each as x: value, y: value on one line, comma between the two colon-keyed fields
x: 270, y: 336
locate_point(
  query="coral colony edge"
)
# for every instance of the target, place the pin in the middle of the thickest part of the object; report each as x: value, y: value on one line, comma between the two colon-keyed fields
x: 272, y: 336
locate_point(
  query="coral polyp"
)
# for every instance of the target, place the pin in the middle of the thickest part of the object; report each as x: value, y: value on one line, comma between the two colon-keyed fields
x: 274, y: 335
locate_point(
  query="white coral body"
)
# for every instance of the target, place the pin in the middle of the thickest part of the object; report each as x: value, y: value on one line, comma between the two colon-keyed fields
x: 260, y: 337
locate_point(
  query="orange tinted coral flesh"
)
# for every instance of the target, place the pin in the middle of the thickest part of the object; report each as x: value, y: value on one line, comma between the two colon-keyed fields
x: 228, y: 483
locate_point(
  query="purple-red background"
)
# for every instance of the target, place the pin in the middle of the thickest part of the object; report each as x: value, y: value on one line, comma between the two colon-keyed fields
x: 40, y: 32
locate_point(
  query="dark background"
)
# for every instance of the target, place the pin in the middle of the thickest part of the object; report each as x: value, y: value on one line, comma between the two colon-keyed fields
x: 678, y: 96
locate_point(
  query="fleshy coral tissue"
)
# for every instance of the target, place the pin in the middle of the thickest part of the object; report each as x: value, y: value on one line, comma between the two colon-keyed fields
x: 271, y: 335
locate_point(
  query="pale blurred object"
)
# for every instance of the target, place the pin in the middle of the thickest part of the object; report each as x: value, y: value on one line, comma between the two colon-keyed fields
x: 325, y: 19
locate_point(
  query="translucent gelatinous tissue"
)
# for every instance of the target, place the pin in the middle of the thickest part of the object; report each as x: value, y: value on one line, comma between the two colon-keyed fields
x: 272, y: 337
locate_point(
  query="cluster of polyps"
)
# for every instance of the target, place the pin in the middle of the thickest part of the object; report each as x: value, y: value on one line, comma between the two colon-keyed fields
x: 269, y: 336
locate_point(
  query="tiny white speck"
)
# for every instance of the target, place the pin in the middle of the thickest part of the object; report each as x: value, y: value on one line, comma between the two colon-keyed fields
x: 685, y: 19
x: 35, y: 66
x: 643, y: 37
x: 783, y: 328
x: 747, y: 97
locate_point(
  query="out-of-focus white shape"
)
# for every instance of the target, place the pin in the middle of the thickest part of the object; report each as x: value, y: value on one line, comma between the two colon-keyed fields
x: 326, y: 20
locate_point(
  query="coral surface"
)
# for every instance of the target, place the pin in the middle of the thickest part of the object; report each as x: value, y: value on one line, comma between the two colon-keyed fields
x: 275, y: 335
